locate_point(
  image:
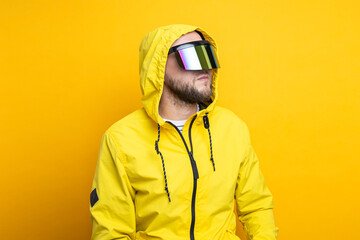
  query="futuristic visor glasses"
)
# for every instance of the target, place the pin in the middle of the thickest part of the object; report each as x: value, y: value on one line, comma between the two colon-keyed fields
x: 198, y: 55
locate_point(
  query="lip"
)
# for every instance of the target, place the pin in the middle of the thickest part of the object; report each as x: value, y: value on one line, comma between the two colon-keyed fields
x: 203, y: 78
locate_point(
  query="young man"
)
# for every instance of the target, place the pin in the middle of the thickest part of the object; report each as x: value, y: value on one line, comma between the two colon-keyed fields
x: 172, y: 169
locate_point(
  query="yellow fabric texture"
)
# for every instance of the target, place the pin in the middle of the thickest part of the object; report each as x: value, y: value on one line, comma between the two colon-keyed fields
x: 129, y: 178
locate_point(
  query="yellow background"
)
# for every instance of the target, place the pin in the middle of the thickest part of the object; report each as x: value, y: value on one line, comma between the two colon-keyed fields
x: 69, y: 69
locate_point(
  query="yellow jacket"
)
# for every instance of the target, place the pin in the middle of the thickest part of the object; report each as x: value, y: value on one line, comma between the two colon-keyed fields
x: 151, y: 182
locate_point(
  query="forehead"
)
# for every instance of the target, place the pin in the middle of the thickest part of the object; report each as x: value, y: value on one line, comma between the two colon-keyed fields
x: 189, y: 37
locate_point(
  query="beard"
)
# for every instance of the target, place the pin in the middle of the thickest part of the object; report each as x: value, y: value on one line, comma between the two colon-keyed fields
x: 187, y: 92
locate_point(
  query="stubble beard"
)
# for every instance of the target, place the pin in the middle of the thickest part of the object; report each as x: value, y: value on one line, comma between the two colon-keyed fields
x: 187, y: 92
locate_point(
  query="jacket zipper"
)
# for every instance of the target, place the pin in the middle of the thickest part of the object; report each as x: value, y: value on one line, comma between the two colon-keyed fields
x: 195, y: 175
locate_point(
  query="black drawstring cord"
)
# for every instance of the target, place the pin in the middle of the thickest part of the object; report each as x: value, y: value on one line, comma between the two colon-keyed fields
x: 207, y: 126
x: 162, y: 159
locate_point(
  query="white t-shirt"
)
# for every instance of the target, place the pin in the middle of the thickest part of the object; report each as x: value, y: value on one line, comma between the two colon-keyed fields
x: 179, y: 123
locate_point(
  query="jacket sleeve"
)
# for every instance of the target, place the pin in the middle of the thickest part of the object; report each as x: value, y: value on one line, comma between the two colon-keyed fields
x: 253, y: 199
x: 112, y: 198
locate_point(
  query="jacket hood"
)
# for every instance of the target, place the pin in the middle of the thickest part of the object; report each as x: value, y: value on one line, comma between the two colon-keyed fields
x: 152, y: 60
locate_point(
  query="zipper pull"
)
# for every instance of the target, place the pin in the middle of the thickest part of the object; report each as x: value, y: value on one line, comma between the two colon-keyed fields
x: 194, y: 167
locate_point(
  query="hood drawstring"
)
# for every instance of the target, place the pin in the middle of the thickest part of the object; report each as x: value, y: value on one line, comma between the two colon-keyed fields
x: 207, y: 126
x: 162, y: 159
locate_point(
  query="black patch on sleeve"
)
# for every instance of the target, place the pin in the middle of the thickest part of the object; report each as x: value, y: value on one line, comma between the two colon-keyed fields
x: 93, y: 197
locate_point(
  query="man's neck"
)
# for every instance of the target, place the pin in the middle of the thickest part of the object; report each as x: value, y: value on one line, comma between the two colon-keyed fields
x: 173, y: 108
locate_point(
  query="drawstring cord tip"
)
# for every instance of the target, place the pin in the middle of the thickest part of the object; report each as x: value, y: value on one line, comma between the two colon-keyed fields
x: 212, y: 160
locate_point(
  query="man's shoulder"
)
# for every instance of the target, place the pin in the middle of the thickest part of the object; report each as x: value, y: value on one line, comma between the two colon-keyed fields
x: 226, y: 121
x: 135, y: 121
x: 226, y: 116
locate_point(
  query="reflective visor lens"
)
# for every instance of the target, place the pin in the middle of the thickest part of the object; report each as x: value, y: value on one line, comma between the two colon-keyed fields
x: 196, y: 57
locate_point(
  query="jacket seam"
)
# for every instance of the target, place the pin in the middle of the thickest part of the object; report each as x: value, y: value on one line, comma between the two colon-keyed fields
x: 119, y: 154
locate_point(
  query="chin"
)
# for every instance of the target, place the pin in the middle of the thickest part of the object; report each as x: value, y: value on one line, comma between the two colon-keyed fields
x: 206, y: 94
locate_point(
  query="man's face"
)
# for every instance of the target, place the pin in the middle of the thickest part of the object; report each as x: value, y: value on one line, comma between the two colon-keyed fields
x: 188, y: 86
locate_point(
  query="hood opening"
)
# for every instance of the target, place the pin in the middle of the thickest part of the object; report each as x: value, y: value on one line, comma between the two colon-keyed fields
x: 153, y: 54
